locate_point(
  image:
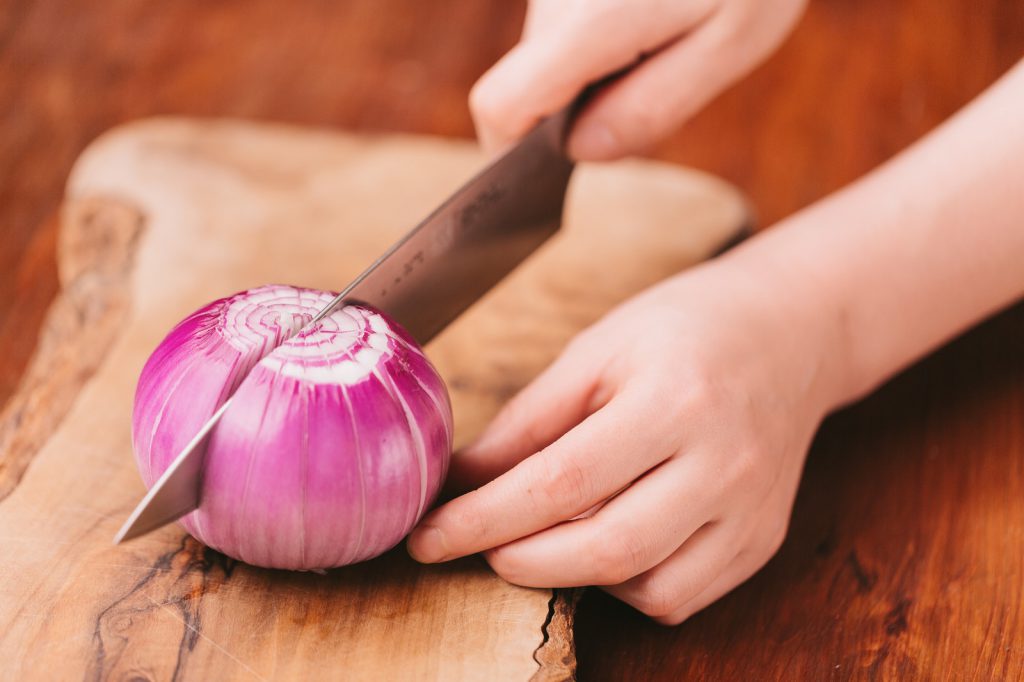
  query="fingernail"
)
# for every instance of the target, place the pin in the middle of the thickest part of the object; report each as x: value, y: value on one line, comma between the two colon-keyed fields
x: 594, y: 141
x: 426, y: 545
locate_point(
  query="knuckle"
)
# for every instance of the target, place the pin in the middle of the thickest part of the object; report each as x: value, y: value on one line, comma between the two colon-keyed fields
x: 467, y: 520
x: 479, y: 94
x: 638, y: 122
x: 534, y: 436
x: 671, y: 619
x: 564, y: 483
x: 503, y: 562
x: 656, y: 597
x: 482, y: 103
x: 631, y: 128
x: 700, y: 391
x: 616, y: 557
x: 775, y: 539
x: 743, y: 469
x: 774, y: 546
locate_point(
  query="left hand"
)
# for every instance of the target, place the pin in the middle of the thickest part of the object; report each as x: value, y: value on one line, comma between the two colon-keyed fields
x: 683, y: 418
x: 682, y: 53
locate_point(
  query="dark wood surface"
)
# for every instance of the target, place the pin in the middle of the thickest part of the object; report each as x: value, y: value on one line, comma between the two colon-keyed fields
x: 906, y: 554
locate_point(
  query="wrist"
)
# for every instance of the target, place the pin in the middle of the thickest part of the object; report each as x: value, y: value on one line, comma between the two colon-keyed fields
x: 804, y: 317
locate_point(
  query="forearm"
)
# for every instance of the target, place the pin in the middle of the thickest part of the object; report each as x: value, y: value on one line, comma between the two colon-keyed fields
x: 915, y: 252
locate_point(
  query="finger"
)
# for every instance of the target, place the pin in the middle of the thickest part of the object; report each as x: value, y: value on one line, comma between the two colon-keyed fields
x: 561, y: 55
x: 687, y: 572
x: 763, y: 544
x: 587, y: 465
x: 562, y: 396
x: 702, y: 570
x: 656, y: 97
x: 665, y: 90
x: 737, y: 572
x: 632, y: 533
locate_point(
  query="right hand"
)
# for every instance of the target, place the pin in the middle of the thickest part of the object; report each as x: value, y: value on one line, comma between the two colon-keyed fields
x: 689, y: 51
x: 659, y: 455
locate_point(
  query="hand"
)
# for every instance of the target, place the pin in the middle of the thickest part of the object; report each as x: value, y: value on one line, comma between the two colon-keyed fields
x: 676, y: 427
x: 690, y: 49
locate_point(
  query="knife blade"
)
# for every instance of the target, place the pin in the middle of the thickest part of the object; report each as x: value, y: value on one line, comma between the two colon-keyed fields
x: 425, y: 280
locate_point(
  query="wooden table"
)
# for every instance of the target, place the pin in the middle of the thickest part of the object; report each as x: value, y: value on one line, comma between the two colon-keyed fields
x: 906, y: 553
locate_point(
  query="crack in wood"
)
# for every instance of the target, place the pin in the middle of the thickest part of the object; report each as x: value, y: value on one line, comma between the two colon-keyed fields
x: 556, y: 654
x: 545, y: 635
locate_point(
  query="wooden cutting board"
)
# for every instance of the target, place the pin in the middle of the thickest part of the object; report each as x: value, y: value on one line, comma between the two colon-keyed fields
x: 164, y: 215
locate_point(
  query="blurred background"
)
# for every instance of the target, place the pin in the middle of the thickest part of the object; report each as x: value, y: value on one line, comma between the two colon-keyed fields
x: 858, y: 81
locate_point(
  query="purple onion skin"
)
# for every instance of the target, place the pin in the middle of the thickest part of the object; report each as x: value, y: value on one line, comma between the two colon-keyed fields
x: 336, y: 442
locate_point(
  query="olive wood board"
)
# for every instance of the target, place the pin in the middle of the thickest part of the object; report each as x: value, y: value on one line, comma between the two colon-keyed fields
x: 164, y: 215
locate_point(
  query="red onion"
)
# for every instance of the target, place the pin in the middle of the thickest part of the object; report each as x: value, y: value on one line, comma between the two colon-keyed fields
x: 335, y: 444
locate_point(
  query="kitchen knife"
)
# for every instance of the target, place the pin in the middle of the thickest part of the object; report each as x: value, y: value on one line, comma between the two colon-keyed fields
x: 425, y: 280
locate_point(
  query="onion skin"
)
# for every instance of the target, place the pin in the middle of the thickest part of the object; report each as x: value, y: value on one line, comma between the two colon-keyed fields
x: 336, y: 442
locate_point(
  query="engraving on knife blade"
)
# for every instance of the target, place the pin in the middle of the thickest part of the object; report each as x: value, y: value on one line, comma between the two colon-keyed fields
x: 487, y: 198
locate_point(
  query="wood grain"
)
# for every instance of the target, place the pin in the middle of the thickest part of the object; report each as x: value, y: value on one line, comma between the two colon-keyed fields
x: 222, y: 206
x: 859, y: 80
x: 96, y: 258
